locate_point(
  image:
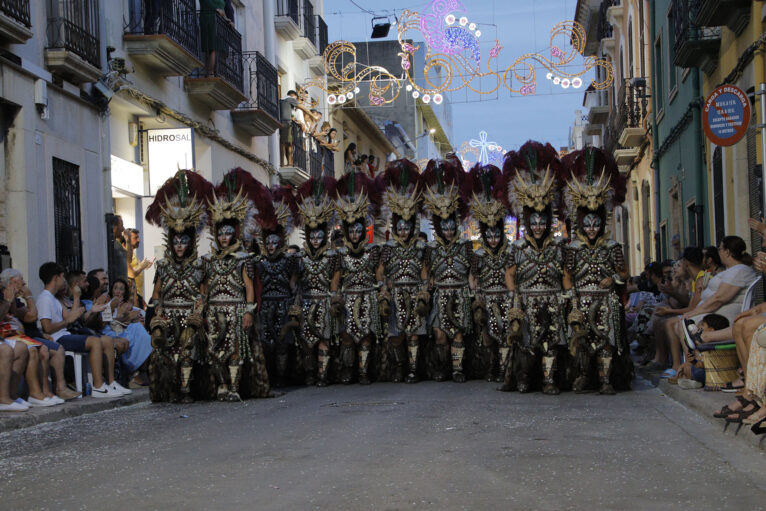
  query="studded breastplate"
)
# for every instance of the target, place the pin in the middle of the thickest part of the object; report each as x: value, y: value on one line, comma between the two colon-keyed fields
x: 359, y: 272
x: 316, y: 274
x: 179, y: 282
x: 492, y: 268
x: 403, y: 264
x: 450, y: 265
x: 591, y: 265
x: 538, y: 270
x: 225, y: 283
x: 275, y: 276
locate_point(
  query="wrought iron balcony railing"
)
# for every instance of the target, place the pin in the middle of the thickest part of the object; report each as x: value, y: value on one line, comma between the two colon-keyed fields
x: 605, y: 29
x: 316, y: 159
x: 176, y: 19
x: 631, y: 107
x: 299, y: 147
x: 321, y: 38
x: 18, y: 10
x: 218, y: 36
x: 695, y: 46
x: 289, y: 8
x: 328, y: 162
x: 262, y: 86
x: 73, y: 26
x: 309, y: 30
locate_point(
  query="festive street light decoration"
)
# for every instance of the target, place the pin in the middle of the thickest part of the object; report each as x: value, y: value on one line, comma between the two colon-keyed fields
x: 481, y: 151
x: 483, y: 145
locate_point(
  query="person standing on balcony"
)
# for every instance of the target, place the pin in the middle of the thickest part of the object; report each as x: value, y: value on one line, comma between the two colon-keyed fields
x: 210, y: 40
x: 349, y: 158
x: 287, y: 108
x: 152, y: 12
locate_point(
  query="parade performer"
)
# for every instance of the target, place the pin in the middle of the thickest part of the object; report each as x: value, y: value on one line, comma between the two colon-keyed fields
x: 357, y: 305
x: 276, y: 271
x: 450, y: 264
x: 402, y: 268
x: 486, y: 192
x: 174, y: 311
x: 319, y: 278
x: 537, y: 264
x: 597, y: 266
x: 231, y: 295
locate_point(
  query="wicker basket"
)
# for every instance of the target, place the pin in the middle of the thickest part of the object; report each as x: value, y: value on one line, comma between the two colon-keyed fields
x: 720, y: 368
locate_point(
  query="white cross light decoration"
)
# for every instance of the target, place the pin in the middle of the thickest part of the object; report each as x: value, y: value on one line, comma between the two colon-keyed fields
x: 484, y: 147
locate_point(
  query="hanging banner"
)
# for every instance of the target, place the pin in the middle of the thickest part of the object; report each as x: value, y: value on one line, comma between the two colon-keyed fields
x: 169, y: 150
x: 726, y: 115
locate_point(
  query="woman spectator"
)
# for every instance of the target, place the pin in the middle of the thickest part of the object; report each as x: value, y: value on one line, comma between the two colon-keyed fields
x: 723, y: 295
x: 349, y: 158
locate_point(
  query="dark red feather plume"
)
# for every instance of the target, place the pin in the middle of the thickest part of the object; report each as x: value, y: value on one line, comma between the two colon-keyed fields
x: 577, y: 163
x: 485, y: 181
x: 286, y: 194
x: 197, y: 186
x: 356, y: 183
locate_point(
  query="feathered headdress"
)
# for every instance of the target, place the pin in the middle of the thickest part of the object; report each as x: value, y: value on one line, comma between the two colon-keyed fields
x: 357, y: 198
x: 285, y: 207
x: 235, y: 201
x: 180, y: 204
x: 442, y: 180
x: 400, y: 183
x: 484, y: 190
x: 315, y: 204
x: 533, y: 176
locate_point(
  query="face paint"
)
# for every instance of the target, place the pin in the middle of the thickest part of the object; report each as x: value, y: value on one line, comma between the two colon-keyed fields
x: 538, y: 223
x: 272, y: 243
x: 591, y: 224
x: 225, y: 235
x: 316, y: 238
x: 403, y: 229
x: 181, y: 243
x: 355, y: 232
x: 494, y: 236
x: 449, y: 228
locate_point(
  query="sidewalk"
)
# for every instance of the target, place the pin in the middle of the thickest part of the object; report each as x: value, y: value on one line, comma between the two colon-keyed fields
x: 76, y: 407
x: 705, y: 403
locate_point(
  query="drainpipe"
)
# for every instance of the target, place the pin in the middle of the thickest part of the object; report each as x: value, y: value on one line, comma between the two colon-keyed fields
x: 702, y: 167
x: 655, y: 148
x: 270, y: 52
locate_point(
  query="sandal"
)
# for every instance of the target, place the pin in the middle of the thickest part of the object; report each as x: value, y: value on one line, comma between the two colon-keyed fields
x: 730, y: 387
x: 759, y: 428
x: 726, y: 411
x: 739, y: 416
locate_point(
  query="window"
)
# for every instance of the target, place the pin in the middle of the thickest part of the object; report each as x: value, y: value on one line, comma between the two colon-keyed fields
x: 663, y: 241
x: 671, y: 55
x: 630, y: 48
x: 659, y: 86
x: 691, y: 222
x: 646, y: 221
x: 66, y: 212
x: 718, y: 196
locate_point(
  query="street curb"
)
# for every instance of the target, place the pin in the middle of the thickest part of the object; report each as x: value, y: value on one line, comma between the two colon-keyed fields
x: 12, y: 421
x: 704, y: 403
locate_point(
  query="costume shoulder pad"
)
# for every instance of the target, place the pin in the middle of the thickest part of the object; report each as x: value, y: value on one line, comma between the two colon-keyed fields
x: 420, y: 244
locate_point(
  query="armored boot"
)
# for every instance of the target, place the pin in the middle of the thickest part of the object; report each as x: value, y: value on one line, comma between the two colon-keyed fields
x: 281, y: 366
x: 580, y: 385
x: 186, y: 373
x: 457, y: 349
x: 324, y: 363
x: 364, y: 362
x: 441, y: 355
x: 509, y: 382
x: 604, y: 372
x: 503, y: 356
x: 549, y: 369
x: 397, y: 374
x: 310, y: 367
x: 234, y: 374
x: 347, y: 360
x: 412, y: 355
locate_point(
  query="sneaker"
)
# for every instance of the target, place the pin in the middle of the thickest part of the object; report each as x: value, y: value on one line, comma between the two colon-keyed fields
x: 13, y: 407
x: 119, y: 388
x: 55, y: 400
x: 105, y: 391
x: 22, y: 402
x: 668, y: 373
x: 40, y: 403
x: 688, y: 384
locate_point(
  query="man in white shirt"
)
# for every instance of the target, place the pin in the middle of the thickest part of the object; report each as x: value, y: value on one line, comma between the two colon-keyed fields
x: 54, y: 321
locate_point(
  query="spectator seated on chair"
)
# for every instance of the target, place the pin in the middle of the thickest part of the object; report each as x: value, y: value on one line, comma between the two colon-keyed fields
x: 693, y: 368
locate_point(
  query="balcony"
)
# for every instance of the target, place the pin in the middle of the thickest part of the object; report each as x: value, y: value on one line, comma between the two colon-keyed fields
x: 259, y: 114
x: 625, y: 158
x: 735, y: 14
x: 631, y: 110
x: 287, y: 22
x: 15, y: 21
x: 295, y: 172
x: 615, y: 13
x: 695, y: 45
x: 306, y: 45
x: 222, y: 86
x: 72, y: 51
x: 316, y: 63
x: 598, y: 114
x: 606, y: 42
x: 165, y: 39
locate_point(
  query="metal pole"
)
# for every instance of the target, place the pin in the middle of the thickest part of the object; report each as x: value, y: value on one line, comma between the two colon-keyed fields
x: 762, y: 93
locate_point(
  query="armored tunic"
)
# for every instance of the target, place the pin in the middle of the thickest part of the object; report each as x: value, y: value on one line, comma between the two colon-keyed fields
x: 402, y: 267
x: 360, y: 292
x: 315, y: 277
x: 179, y: 290
x: 539, y: 274
x: 589, y: 265
x: 491, y: 269
x: 276, y: 294
x: 226, y: 305
x: 450, y: 267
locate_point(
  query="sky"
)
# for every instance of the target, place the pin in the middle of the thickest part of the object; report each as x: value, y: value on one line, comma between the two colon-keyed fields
x: 521, y: 27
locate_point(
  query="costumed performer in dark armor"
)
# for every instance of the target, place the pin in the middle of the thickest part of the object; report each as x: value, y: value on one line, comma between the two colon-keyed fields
x: 538, y: 275
x: 597, y: 266
x: 450, y: 260
x: 403, y: 270
x: 357, y: 305
x: 319, y: 278
x: 486, y: 192
x: 231, y: 297
x: 276, y: 272
x: 175, y: 309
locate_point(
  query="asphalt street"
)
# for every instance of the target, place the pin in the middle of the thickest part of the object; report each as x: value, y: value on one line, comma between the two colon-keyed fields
x: 386, y: 446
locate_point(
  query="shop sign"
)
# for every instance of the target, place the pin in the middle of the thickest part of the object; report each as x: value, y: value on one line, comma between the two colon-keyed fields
x: 169, y: 150
x: 726, y: 115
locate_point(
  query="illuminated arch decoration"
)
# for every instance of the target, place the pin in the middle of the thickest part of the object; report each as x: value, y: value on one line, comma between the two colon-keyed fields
x: 453, y: 58
x: 481, y: 151
x: 345, y: 75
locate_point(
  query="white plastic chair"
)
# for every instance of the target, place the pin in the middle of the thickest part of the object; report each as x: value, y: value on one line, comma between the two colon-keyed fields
x: 81, y: 371
x: 747, y: 302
